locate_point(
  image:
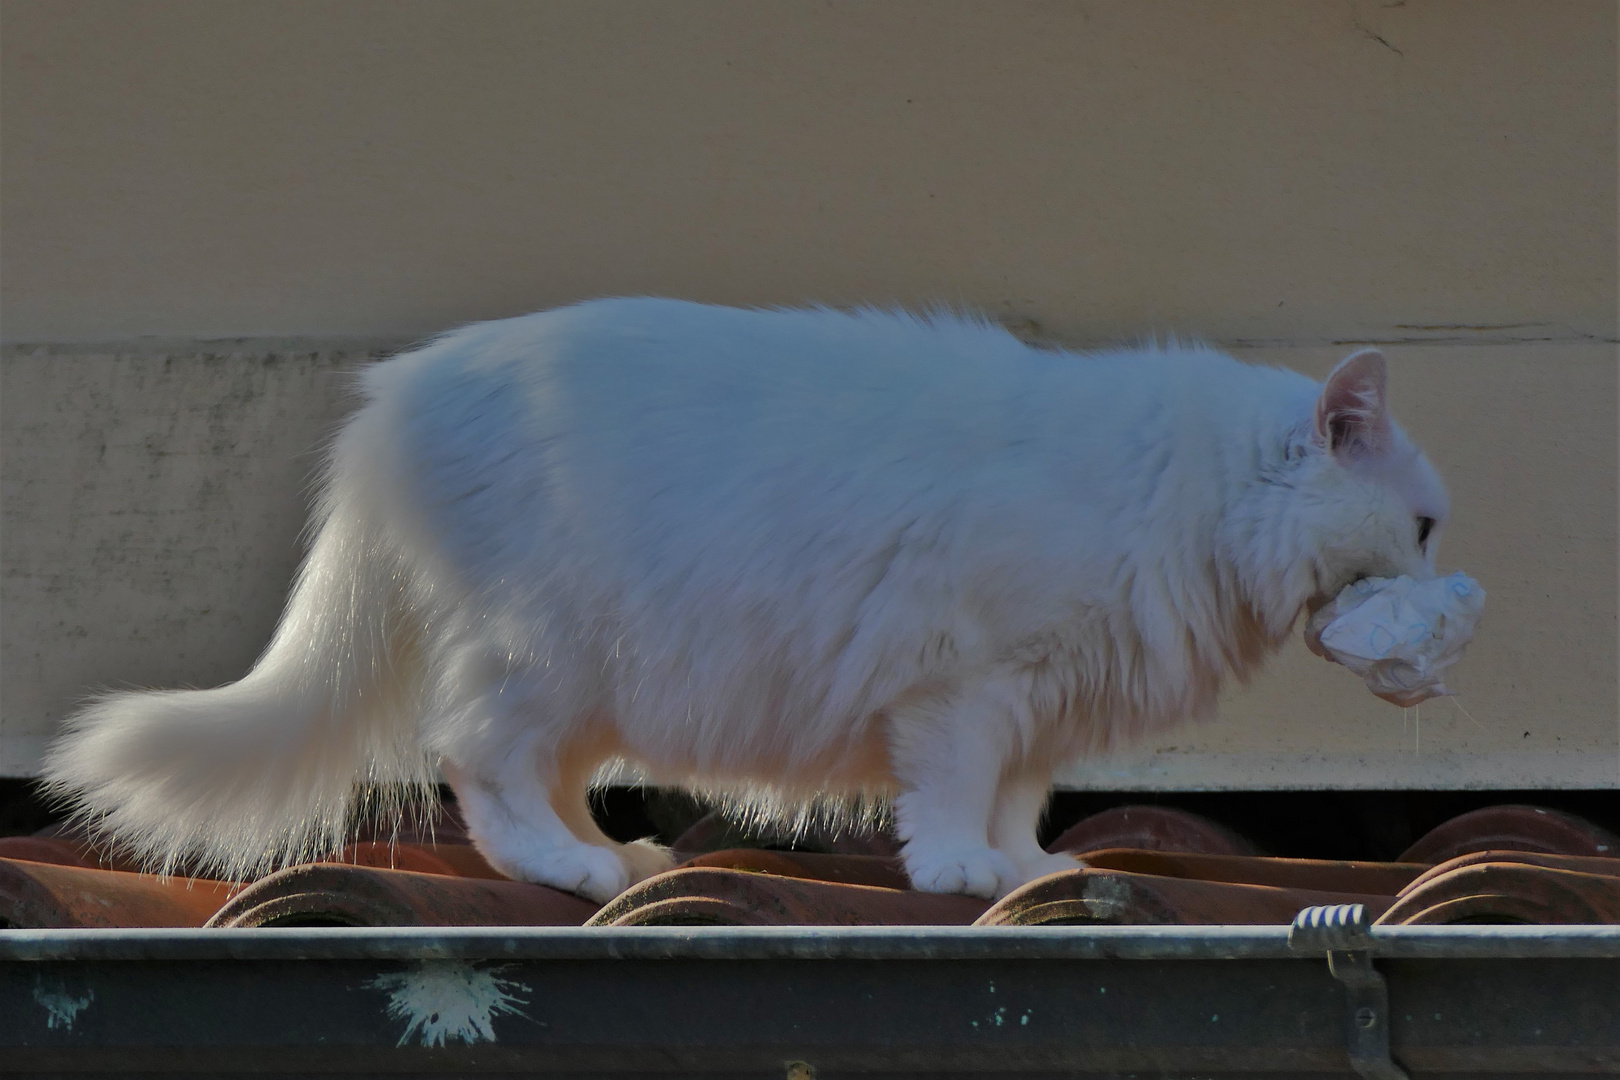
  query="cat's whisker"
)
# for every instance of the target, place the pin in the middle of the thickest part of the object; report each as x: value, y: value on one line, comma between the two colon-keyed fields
x: 1458, y: 702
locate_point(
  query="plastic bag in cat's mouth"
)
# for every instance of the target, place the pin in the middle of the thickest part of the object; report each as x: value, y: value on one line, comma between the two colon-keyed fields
x: 1398, y: 634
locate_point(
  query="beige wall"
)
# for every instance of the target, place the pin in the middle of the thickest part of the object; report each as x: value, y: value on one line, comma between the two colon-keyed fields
x: 1253, y: 169
x: 1277, y: 176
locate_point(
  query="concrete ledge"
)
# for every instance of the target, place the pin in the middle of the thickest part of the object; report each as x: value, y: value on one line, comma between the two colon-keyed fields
x: 154, y: 492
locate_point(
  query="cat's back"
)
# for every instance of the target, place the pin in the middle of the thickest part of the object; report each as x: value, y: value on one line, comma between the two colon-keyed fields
x: 636, y: 387
x: 641, y: 368
x: 642, y: 355
x: 649, y: 417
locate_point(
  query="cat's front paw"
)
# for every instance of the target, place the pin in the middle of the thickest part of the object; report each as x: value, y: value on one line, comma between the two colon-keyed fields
x: 982, y: 872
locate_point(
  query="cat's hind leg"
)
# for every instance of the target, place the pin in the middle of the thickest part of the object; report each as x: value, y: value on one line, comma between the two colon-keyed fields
x: 510, y: 799
x: 570, y: 797
x: 1020, y: 804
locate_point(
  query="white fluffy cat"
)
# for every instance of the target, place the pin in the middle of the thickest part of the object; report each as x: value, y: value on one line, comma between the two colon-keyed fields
x: 770, y: 553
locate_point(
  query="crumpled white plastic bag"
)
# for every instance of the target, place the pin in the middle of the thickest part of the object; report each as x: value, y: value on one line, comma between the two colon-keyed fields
x: 1399, y: 634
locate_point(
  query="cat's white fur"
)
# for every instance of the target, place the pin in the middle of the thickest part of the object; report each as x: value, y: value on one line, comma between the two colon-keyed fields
x: 778, y: 553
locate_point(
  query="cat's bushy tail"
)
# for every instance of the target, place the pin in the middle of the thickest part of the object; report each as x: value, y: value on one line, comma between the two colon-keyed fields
x: 266, y: 770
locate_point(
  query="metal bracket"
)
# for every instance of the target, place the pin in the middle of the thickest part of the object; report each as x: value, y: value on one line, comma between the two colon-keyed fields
x: 1342, y: 931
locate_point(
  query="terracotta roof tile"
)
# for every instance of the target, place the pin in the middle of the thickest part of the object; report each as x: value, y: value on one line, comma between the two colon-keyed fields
x: 457, y: 860
x: 1512, y: 827
x: 1138, y: 864
x: 1382, y: 879
x: 37, y: 895
x: 714, y: 896
x: 43, y: 849
x: 334, y: 894
x: 1151, y: 828
x: 875, y: 870
x: 1114, y: 897
x: 1506, y: 889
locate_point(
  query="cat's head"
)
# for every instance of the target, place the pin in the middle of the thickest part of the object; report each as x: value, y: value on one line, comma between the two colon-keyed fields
x: 1347, y: 495
x: 1370, y: 504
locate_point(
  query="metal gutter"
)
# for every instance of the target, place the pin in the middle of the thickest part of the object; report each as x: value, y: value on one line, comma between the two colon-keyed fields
x: 790, y: 943
x: 801, y: 1001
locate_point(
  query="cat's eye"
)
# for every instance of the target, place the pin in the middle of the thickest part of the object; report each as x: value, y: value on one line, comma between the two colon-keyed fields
x: 1425, y: 527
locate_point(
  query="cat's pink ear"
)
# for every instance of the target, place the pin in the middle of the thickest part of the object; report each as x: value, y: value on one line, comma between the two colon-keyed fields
x: 1352, y: 415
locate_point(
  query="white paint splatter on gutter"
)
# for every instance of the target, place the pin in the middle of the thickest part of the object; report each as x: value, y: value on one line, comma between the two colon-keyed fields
x: 61, y: 1007
x: 449, y: 1000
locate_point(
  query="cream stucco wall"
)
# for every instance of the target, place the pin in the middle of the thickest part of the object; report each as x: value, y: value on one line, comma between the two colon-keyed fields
x: 311, y: 179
